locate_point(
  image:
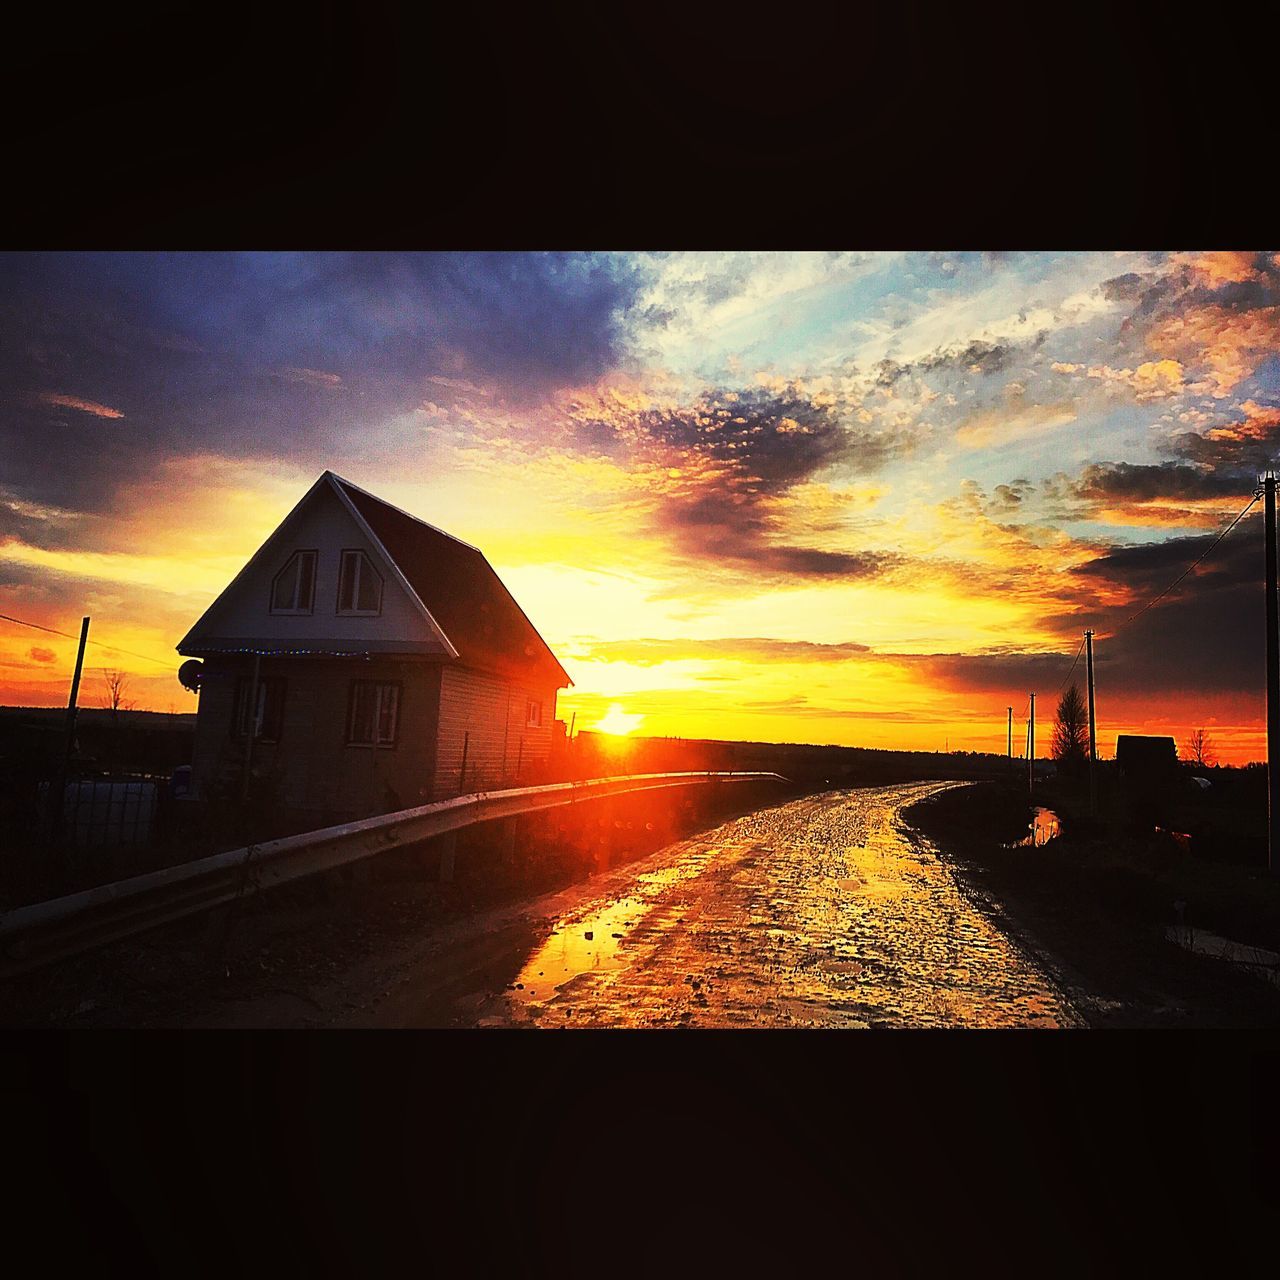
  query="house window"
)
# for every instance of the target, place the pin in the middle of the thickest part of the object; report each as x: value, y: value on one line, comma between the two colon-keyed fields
x: 359, y: 585
x: 265, y: 712
x: 533, y: 714
x: 294, y: 587
x: 374, y: 714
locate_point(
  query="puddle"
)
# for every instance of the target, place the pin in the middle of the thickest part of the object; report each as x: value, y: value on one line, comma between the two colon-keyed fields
x: 1266, y: 964
x: 578, y: 946
x: 850, y: 920
x: 591, y: 942
x: 1044, y: 827
x: 1181, y: 838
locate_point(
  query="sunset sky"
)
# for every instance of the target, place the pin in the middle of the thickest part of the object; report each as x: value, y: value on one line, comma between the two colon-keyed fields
x: 859, y: 498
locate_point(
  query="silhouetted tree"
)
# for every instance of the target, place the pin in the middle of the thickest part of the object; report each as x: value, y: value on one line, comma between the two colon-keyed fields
x: 114, y: 699
x: 1071, y: 729
x: 1200, y: 750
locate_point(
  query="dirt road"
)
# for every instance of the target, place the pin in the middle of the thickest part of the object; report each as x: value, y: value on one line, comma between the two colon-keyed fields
x: 823, y: 912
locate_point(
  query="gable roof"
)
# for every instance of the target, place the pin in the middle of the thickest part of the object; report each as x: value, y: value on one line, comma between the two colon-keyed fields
x: 458, y: 588
x: 209, y: 634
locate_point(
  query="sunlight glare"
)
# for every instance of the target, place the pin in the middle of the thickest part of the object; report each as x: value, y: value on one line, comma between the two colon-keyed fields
x: 617, y: 721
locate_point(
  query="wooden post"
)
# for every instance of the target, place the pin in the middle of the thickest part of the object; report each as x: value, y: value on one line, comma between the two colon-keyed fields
x: 57, y: 799
x: 1093, y: 735
x: 1273, y: 681
x: 462, y: 772
x: 1031, y: 750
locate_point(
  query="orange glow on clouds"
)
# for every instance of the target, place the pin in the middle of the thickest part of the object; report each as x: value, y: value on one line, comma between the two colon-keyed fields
x: 84, y: 406
x: 639, y: 548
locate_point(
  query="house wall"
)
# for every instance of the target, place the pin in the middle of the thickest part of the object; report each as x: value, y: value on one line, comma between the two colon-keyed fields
x: 318, y: 778
x: 487, y: 713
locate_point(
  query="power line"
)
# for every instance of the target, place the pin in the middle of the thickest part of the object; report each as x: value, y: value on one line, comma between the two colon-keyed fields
x: 1079, y: 651
x: 1202, y: 556
x: 111, y: 648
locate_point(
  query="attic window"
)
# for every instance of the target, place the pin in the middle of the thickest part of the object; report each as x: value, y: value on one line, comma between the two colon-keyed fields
x: 294, y: 587
x: 359, y: 585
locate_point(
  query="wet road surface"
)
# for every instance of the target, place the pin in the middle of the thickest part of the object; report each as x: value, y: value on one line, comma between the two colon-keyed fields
x: 823, y: 912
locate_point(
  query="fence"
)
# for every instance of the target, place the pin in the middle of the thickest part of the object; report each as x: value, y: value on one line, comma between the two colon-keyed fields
x: 103, y: 811
x: 45, y: 931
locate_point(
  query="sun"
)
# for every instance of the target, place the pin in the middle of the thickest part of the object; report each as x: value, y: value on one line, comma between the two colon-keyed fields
x: 617, y: 721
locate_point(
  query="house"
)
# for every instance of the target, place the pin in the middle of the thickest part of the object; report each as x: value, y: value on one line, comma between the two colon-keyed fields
x: 364, y: 661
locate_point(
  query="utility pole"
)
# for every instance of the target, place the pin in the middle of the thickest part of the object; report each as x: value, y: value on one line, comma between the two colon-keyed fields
x: 70, y: 732
x: 1011, y: 733
x: 1273, y: 681
x: 1093, y: 736
x: 1031, y: 749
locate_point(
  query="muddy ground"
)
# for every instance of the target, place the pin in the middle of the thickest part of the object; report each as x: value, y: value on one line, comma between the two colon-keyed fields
x: 823, y: 911
x: 1097, y: 914
x: 878, y: 907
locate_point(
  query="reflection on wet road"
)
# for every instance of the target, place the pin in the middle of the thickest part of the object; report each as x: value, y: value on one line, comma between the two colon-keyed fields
x: 824, y: 912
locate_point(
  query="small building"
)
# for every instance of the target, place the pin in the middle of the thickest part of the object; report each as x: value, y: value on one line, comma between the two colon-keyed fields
x: 1149, y: 777
x: 364, y: 661
x: 1145, y: 759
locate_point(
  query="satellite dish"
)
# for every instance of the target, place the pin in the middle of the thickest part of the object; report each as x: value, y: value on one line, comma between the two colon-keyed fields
x: 190, y: 674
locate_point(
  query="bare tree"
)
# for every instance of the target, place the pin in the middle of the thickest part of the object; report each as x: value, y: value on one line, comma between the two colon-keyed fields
x: 1071, y: 729
x: 1200, y: 750
x: 114, y: 699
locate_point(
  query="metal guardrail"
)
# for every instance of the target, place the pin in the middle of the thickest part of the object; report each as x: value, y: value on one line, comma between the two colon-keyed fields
x: 45, y: 931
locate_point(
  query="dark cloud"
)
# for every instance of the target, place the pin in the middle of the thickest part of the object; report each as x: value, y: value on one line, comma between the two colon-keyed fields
x: 36, y: 654
x: 1134, y: 482
x: 1205, y: 637
x: 1126, y: 288
x: 1206, y: 634
x: 40, y: 527
x: 738, y: 456
x: 1240, y: 450
x: 273, y: 355
x: 1223, y: 461
x: 774, y: 439
x: 1009, y: 497
x: 976, y: 357
x: 1006, y: 676
x: 1177, y: 290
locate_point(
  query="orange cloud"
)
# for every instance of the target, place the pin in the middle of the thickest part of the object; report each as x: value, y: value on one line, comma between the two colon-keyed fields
x: 1001, y: 426
x: 84, y: 406
x: 1227, y: 345
x: 1223, y: 267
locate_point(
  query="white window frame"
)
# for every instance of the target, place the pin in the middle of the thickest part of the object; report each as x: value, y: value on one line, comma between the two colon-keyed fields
x: 250, y: 721
x: 533, y: 713
x: 297, y: 583
x: 379, y: 690
x: 363, y: 565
